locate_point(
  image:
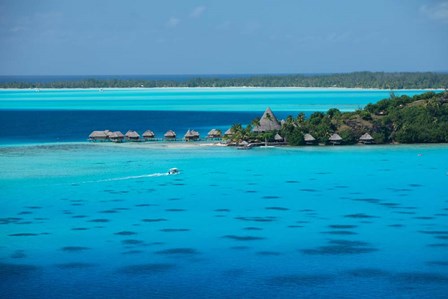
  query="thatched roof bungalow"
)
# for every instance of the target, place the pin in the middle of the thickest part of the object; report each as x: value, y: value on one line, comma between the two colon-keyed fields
x: 116, y: 136
x: 214, y: 134
x: 268, y: 122
x: 132, y: 136
x: 149, y: 135
x: 366, y: 139
x: 278, y: 138
x: 98, y: 136
x: 170, y: 135
x: 335, y: 139
x: 229, y: 132
x: 309, y: 139
x: 191, y: 135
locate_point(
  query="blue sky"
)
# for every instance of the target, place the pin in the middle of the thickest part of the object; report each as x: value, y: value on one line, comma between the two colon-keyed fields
x: 88, y: 37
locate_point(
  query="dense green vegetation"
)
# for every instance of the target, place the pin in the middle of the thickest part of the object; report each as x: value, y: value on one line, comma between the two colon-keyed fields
x: 420, y: 119
x: 348, y: 80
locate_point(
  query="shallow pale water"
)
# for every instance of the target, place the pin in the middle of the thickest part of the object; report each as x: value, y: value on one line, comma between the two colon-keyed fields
x: 105, y: 221
x: 196, y: 99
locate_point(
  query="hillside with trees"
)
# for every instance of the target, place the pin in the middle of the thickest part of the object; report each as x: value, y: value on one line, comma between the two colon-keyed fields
x: 419, y: 119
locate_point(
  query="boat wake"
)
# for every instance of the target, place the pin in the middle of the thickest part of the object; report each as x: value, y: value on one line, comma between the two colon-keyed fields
x: 131, y: 177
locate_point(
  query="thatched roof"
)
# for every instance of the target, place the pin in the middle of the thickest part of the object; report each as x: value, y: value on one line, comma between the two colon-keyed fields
x: 108, y: 133
x: 229, y: 132
x: 277, y: 137
x: 149, y: 134
x: 214, y: 133
x: 195, y: 133
x: 170, y: 134
x: 268, y: 122
x: 116, y: 134
x: 335, y: 137
x: 98, y: 134
x: 132, y: 134
x: 366, y: 137
x: 308, y: 138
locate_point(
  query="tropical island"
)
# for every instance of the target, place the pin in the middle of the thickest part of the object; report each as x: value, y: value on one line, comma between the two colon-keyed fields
x: 418, y: 119
x: 378, y: 80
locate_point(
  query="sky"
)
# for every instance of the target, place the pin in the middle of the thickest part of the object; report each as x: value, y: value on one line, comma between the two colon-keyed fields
x: 118, y: 37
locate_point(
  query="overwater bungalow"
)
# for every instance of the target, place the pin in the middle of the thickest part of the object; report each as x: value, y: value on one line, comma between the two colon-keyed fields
x: 98, y: 136
x: 366, y: 139
x: 191, y: 135
x: 170, y: 135
x: 335, y: 139
x: 149, y: 135
x: 309, y: 139
x: 116, y: 136
x: 268, y: 122
x: 132, y: 136
x: 213, y: 134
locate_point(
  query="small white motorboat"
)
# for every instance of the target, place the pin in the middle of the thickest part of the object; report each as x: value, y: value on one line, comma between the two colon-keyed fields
x: 173, y: 171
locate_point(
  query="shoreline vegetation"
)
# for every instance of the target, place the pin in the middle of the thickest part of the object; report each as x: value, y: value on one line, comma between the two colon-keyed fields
x: 406, y: 120
x: 367, y: 80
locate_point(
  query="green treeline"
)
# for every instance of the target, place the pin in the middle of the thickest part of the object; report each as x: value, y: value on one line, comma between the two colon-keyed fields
x: 348, y: 80
x: 419, y: 119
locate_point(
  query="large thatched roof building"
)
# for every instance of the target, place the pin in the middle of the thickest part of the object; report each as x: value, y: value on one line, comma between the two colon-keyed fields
x: 268, y: 122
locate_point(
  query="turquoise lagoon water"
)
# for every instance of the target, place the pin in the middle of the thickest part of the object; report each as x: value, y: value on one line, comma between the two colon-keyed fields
x: 105, y: 221
x: 81, y: 220
x: 196, y: 99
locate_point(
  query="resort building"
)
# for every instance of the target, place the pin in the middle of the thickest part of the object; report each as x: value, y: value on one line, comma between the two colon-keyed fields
x: 366, y: 139
x: 191, y: 135
x: 229, y: 132
x: 214, y: 134
x: 132, y: 136
x: 309, y: 139
x: 170, y: 135
x: 116, y: 136
x: 149, y: 135
x: 268, y: 122
x: 278, y: 138
x: 98, y: 136
x: 335, y: 139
